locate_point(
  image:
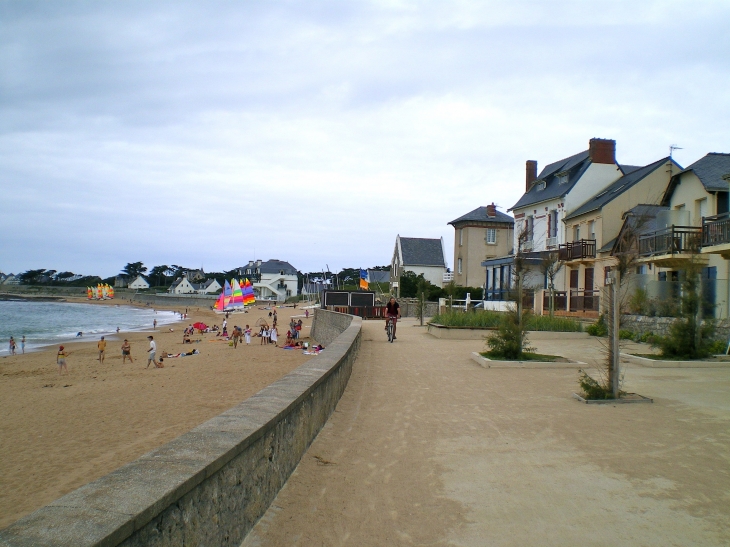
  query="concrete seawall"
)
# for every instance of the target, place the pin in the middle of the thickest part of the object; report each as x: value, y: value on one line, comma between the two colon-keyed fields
x: 210, y: 485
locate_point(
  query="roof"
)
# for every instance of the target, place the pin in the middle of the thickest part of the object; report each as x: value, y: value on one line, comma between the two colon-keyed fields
x: 275, y: 266
x: 575, y: 166
x: 379, y: 276
x: 480, y: 215
x: 417, y: 251
x: 709, y: 170
x: 617, y: 188
x: 626, y: 169
x: 639, y: 219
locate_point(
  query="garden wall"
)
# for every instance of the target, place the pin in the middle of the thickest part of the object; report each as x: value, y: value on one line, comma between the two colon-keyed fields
x: 210, y: 485
x: 660, y: 325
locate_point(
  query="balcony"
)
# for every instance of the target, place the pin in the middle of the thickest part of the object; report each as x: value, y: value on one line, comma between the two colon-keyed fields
x: 527, y: 246
x: 671, y: 246
x: 583, y: 249
x: 716, y: 235
x: 448, y: 277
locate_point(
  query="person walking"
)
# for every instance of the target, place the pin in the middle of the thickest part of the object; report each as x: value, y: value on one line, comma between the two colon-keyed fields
x: 22, y: 344
x: 154, y: 324
x: 126, y: 352
x: 274, y: 336
x: 247, y: 335
x: 11, y: 346
x: 101, y: 344
x: 236, y: 334
x: 151, y: 353
x: 61, y: 360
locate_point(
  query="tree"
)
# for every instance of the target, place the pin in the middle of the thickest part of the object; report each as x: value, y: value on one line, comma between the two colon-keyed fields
x: 31, y: 276
x: 550, y: 267
x: 159, y: 273
x: 133, y: 269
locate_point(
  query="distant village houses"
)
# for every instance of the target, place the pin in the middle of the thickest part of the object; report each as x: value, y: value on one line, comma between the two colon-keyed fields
x: 420, y: 256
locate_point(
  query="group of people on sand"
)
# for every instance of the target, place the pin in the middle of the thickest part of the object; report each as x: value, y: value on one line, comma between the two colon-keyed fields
x: 126, y: 354
x: 13, y: 346
x: 269, y: 335
x: 238, y: 333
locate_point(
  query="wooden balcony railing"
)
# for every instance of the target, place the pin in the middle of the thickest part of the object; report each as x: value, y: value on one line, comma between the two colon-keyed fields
x: 584, y: 248
x: 560, y: 300
x: 716, y: 230
x: 672, y: 240
x: 584, y: 300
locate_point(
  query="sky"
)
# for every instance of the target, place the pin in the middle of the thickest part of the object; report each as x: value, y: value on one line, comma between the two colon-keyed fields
x: 212, y: 133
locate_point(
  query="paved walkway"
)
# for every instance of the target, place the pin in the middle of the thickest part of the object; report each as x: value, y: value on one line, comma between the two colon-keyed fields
x: 428, y: 448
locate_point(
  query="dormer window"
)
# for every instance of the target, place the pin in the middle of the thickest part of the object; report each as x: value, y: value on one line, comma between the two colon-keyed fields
x: 541, y: 185
x: 562, y: 178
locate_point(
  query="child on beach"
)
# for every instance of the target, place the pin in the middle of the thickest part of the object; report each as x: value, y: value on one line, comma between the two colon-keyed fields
x: 61, y: 360
x: 126, y: 352
x: 247, y: 335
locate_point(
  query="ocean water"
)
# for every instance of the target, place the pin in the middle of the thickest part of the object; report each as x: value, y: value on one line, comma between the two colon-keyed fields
x: 48, y: 323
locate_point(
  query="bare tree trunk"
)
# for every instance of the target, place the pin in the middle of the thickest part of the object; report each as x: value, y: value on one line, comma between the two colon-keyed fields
x: 613, y: 331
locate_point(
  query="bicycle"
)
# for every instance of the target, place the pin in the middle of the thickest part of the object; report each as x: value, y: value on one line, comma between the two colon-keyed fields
x: 389, y: 329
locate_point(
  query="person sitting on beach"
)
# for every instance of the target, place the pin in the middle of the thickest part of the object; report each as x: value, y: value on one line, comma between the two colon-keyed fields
x: 126, y: 352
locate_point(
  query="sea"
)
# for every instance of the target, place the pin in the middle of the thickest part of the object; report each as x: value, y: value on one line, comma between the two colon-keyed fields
x: 50, y: 323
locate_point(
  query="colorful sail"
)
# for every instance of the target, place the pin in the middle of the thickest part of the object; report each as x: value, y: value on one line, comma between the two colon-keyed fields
x: 237, y: 294
x: 248, y: 295
x: 89, y: 292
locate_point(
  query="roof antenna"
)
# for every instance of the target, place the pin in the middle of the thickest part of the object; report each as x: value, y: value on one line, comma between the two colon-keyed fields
x: 672, y: 148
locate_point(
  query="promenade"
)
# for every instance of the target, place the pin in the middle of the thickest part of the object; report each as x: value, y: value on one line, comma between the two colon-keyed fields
x: 428, y: 448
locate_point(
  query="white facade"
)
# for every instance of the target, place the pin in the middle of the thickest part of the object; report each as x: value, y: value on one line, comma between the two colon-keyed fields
x: 139, y: 283
x: 182, y: 286
x: 209, y: 287
x: 277, y: 286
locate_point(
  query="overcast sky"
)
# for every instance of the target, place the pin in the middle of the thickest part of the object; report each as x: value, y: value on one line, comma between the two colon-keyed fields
x: 210, y: 133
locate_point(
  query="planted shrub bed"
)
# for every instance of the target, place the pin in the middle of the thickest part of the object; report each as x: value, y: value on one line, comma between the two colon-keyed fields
x: 493, y: 319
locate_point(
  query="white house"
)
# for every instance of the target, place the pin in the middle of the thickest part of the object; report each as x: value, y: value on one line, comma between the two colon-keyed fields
x: 211, y: 286
x: 139, y: 283
x: 181, y: 286
x: 273, y: 279
x: 420, y: 256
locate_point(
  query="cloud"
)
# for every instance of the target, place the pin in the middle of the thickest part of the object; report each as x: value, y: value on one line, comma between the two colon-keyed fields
x: 189, y: 133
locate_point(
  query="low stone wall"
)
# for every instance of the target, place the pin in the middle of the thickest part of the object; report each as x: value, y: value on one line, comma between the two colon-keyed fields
x: 468, y: 333
x: 210, y: 485
x: 177, y: 301
x: 661, y: 325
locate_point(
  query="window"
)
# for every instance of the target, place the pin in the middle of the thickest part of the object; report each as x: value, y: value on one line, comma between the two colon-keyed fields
x: 592, y: 229
x: 529, y: 226
x: 576, y: 232
x: 553, y: 228
x: 458, y: 266
x: 491, y: 236
x: 461, y: 236
x: 562, y: 178
x: 541, y: 185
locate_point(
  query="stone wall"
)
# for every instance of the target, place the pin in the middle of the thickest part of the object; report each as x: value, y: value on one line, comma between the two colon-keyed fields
x: 177, y: 301
x: 660, y: 325
x: 210, y: 485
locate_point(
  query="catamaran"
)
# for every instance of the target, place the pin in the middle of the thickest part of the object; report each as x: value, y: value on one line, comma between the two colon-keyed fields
x: 235, y: 297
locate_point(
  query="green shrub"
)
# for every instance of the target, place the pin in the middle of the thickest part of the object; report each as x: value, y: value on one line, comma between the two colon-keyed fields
x: 509, y: 342
x: 717, y: 347
x: 553, y: 324
x: 592, y: 389
x: 682, y: 340
x: 599, y: 328
x: 479, y: 319
x: 639, y: 302
x: 625, y: 334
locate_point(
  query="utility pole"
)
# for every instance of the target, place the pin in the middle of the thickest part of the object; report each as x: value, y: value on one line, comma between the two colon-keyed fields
x: 614, y: 353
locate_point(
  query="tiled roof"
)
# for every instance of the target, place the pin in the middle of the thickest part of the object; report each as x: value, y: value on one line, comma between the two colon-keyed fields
x: 480, y: 214
x: 575, y: 166
x: 419, y: 251
x: 710, y: 171
x: 617, y: 188
x: 275, y: 266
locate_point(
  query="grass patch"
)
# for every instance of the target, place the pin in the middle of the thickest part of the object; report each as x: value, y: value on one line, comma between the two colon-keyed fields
x: 475, y: 320
x: 493, y: 319
x: 526, y: 356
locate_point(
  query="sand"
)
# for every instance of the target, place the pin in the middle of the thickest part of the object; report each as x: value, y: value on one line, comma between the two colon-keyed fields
x: 428, y: 448
x: 60, y: 432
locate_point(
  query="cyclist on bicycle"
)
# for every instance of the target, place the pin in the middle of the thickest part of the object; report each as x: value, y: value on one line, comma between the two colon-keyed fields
x: 392, y: 313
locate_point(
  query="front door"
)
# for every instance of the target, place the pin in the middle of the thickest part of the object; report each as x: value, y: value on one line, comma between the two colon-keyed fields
x: 588, y: 289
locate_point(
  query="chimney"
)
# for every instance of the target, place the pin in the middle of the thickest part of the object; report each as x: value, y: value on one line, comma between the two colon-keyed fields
x: 602, y: 150
x: 491, y: 210
x: 530, y: 174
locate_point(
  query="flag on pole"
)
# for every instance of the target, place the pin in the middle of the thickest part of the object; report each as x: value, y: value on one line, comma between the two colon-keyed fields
x: 364, y: 280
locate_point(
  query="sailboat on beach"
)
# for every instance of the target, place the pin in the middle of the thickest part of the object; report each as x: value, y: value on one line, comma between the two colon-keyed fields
x: 232, y: 298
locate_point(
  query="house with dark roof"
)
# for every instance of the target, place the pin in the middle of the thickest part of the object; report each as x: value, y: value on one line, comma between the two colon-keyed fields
x: 592, y: 228
x: 693, y: 225
x: 420, y: 256
x: 479, y: 235
x: 274, y: 279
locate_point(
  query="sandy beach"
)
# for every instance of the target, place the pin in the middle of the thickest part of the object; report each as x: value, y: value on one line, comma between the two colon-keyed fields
x: 60, y: 432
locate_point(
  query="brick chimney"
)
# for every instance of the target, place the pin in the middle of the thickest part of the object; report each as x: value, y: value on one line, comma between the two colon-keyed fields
x: 491, y: 210
x: 530, y: 174
x: 602, y: 150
